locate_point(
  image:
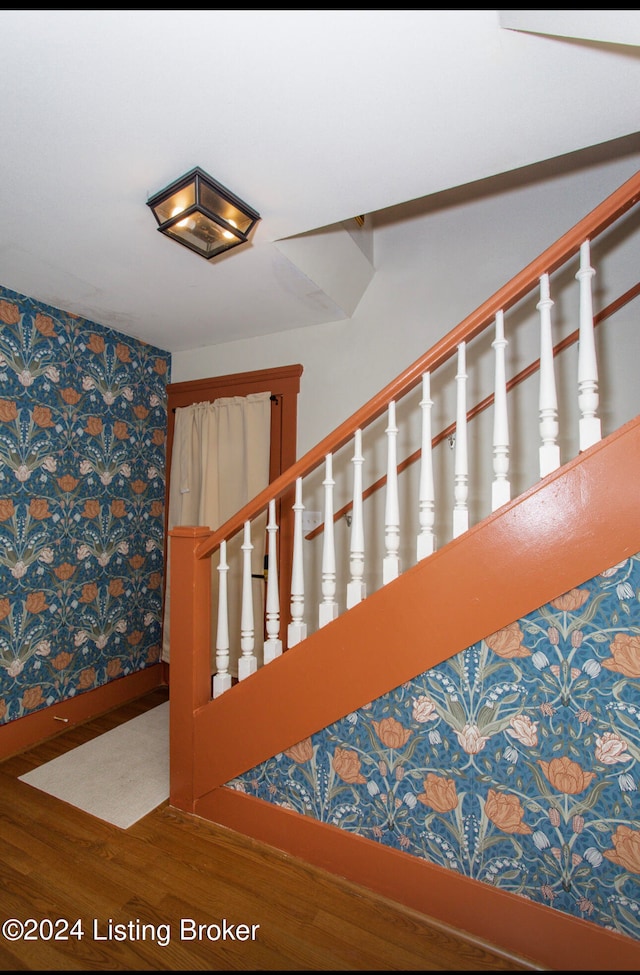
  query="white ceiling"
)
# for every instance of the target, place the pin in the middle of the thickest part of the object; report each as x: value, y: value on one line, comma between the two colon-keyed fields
x: 311, y: 116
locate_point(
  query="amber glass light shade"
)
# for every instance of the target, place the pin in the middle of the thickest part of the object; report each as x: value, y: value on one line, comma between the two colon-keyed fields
x: 202, y: 214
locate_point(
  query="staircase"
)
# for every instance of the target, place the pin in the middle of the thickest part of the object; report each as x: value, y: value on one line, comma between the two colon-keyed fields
x: 572, y: 522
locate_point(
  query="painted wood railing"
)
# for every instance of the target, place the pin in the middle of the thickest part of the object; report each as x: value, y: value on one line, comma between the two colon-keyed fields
x: 194, y: 550
x: 427, y: 518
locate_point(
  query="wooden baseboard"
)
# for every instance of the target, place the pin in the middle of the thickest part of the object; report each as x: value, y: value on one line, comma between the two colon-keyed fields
x: 509, y: 923
x: 16, y: 736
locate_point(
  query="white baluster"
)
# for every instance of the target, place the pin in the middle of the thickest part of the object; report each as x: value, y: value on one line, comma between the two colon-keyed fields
x: 548, y: 402
x: 272, y: 645
x: 297, y: 629
x: 426, y: 507
x: 461, y: 477
x: 328, y: 607
x: 391, y: 561
x: 501, y: 487
x: 222, y: 679
x: 588, y: 398
x: 247, y: 663
x: 356, y: 588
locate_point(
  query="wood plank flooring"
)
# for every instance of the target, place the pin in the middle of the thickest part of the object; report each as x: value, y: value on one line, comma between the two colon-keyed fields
x: 133, y: 890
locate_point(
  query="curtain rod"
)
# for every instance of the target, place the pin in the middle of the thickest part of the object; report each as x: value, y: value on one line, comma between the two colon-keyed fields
x: 273, y: 398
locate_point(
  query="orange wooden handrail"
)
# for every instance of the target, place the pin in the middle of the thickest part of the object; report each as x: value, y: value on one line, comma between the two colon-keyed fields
x: 484, y: 404
x: 606, y: 213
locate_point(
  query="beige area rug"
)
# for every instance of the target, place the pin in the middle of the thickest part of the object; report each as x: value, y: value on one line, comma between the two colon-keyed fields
x: 119, y: 776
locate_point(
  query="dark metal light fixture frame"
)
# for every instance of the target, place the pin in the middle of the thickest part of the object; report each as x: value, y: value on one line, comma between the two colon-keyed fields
x: 202, y: 214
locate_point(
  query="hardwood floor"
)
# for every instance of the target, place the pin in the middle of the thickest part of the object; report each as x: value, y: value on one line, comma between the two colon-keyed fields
x: 169, y: 873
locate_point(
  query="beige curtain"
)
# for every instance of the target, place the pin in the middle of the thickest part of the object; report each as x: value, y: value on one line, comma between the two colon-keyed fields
x: 220, y: 461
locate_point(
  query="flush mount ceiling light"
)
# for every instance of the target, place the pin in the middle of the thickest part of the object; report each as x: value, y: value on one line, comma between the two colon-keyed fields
x: 202, y: 214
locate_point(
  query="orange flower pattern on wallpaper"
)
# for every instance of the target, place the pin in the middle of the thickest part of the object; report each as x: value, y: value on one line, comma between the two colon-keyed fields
x: 81, y: 504
x: 515, y: 762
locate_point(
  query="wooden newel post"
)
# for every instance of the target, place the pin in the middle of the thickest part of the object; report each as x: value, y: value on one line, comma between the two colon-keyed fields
x: 190, y: 667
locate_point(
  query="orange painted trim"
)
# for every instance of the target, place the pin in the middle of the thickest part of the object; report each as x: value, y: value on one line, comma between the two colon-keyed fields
x: 30, y: 730
x: 166, y: 670
x: 562, y: 532
x: 190, y: 636
x: 513, y: 924
x: 286, y: 378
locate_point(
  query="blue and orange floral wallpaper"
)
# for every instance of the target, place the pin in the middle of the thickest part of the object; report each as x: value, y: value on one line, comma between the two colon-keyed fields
x: 82, y: 461
x: 516, y: 762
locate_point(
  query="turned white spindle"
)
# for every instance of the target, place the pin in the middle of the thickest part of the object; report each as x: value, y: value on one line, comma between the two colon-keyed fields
x: 588, y: 398
x: 391, y: 561
x: 461, y: 464
x: 328, y: 609
x: 356, y: 589
x: 426, y: 502
x: 501, y: 487
x: 248, y: 663
x: 548, y: 402
x: 222, y: 678
x: 297, y: 629
x: 273, y: 643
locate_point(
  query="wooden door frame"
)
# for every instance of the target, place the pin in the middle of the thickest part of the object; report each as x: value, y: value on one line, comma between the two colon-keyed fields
x: 283, y: 384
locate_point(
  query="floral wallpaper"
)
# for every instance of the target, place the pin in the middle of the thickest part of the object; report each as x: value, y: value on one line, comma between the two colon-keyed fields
x: 82, y: 460
x: 516, y: 762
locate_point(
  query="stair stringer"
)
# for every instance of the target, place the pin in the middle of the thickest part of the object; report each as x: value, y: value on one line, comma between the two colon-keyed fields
x: 563, y: 531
